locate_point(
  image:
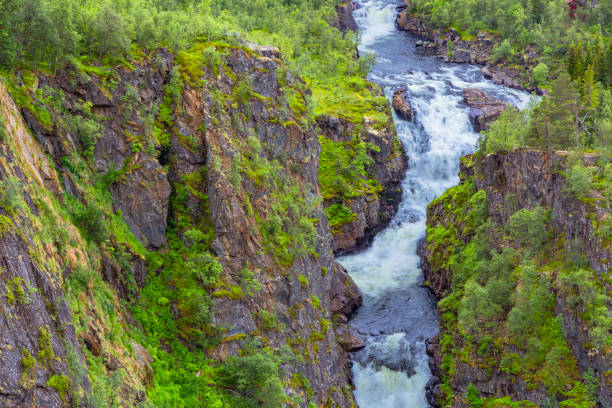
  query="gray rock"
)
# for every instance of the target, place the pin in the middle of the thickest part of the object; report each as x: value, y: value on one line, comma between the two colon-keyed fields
x: 485, y: 109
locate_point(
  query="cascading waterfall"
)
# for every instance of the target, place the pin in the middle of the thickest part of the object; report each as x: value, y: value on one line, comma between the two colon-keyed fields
x: 398, y: 315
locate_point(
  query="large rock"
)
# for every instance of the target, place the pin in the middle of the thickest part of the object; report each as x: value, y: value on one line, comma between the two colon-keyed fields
x: 401, y: 105
x: 485, y: 109
x: 143, y: 199
x: 345, y: 20
x: 345, y: 296
x: 389, y: 163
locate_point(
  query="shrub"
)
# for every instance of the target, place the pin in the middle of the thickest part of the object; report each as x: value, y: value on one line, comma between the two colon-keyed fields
x: 90, y: 220
x: 472, y: 395
x: 87, y: 132
x: 255, y: 375
x: 3, y: 133
x: 578, y: 180
x: 339, y: 215
x: 507, y: 132
x: 540, y: 74
x: 11, y: 190
x: 503, y: 50
x: 530, y: 227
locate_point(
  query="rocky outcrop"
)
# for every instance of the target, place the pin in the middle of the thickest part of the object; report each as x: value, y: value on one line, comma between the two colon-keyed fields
x: 143, y: 199
x: 388, y: 164
x: 345, y: 21
x: 401, y: 104
x: 235, y: 163
x: 301, y: 289
x: 512, y: 181
x: 449, y: 45
x: 484, y: 108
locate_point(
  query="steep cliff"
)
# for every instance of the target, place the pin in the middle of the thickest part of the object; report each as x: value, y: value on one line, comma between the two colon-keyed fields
x: 163, y: 234
x: 362, y: 166
x: 521, y: 264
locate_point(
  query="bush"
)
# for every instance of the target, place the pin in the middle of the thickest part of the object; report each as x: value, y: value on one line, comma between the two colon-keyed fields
x: 87, y: 132
x: 90, y: 220
x: 11, y: 191
x: 578, y: 180
x: 503, y: 50
x: 255, y: 375
x: 507, y: 132
x: 3, y: 133
x: 530, y: 228
x: 339, y: 215
x: 540, y: 74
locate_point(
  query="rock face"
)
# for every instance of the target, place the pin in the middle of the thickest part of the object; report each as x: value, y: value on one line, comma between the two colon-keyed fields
x: 288, y: 291
x: 530, y: 178
x: 236, y: 162
x: 401, y: 104
x: 345, y: 21
x: 484, y: 109
x: 372, y: 212
x: 143, y: 198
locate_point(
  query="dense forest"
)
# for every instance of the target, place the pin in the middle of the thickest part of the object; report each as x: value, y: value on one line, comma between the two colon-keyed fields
x: 82, y: 73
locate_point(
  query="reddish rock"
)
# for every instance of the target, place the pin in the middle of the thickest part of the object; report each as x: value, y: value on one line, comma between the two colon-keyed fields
x: 485, y: 109
x: 401, y: 105
x: 345, y: 20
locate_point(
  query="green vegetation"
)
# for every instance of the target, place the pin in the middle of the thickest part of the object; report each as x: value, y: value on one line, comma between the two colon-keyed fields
x: 500, y: 313
x: 45, y: 354
x: 42, y: 35
x: 545, y: 24
x: 61, y: 383
x: 28, y: 364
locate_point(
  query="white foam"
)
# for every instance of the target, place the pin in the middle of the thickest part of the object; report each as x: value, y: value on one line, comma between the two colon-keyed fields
x: 434, y: 141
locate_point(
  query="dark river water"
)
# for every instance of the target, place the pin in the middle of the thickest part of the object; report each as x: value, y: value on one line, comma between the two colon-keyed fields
x: 398, y: 315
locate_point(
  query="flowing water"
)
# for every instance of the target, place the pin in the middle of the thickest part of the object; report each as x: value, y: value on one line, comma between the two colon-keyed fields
x: 398, y: 315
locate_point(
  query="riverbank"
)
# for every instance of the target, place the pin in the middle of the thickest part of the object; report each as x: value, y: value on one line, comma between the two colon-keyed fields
x: 398, y: 314
x: 449, y: 45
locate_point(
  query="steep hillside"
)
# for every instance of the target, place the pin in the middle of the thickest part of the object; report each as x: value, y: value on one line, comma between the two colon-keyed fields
x: 519, y: 254
x: 164, y: 240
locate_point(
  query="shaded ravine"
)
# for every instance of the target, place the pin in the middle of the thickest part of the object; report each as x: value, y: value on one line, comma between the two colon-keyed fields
x: 398, y: 315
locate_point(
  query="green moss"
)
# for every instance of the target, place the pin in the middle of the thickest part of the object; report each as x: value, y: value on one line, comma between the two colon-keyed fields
x: 28, y: 363
x: 61, y: 384
x: 235, y: 292
x: 45, y: 354
x: 339, y: 215
x: 15, y: 291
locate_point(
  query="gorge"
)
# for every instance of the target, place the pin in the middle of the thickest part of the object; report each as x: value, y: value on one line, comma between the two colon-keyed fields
x: 305, y: 203
x: 399, y: 315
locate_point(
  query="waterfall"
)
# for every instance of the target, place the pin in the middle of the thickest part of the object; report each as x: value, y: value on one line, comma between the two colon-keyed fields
x: 398, y: 315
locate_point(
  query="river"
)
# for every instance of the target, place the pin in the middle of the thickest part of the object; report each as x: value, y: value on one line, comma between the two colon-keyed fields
x: 398, y: 314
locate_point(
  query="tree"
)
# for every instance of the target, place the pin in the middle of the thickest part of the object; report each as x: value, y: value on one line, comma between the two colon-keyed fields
x: 540, y: 74
x: 508, y: 131
x: 109, y: 33
x: 556, y: 121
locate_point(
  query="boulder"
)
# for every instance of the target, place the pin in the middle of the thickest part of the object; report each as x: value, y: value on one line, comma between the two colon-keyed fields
x: 401, y: 104
x: 345, y: 20
x: 485, y: 109
x: 348, y: 339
